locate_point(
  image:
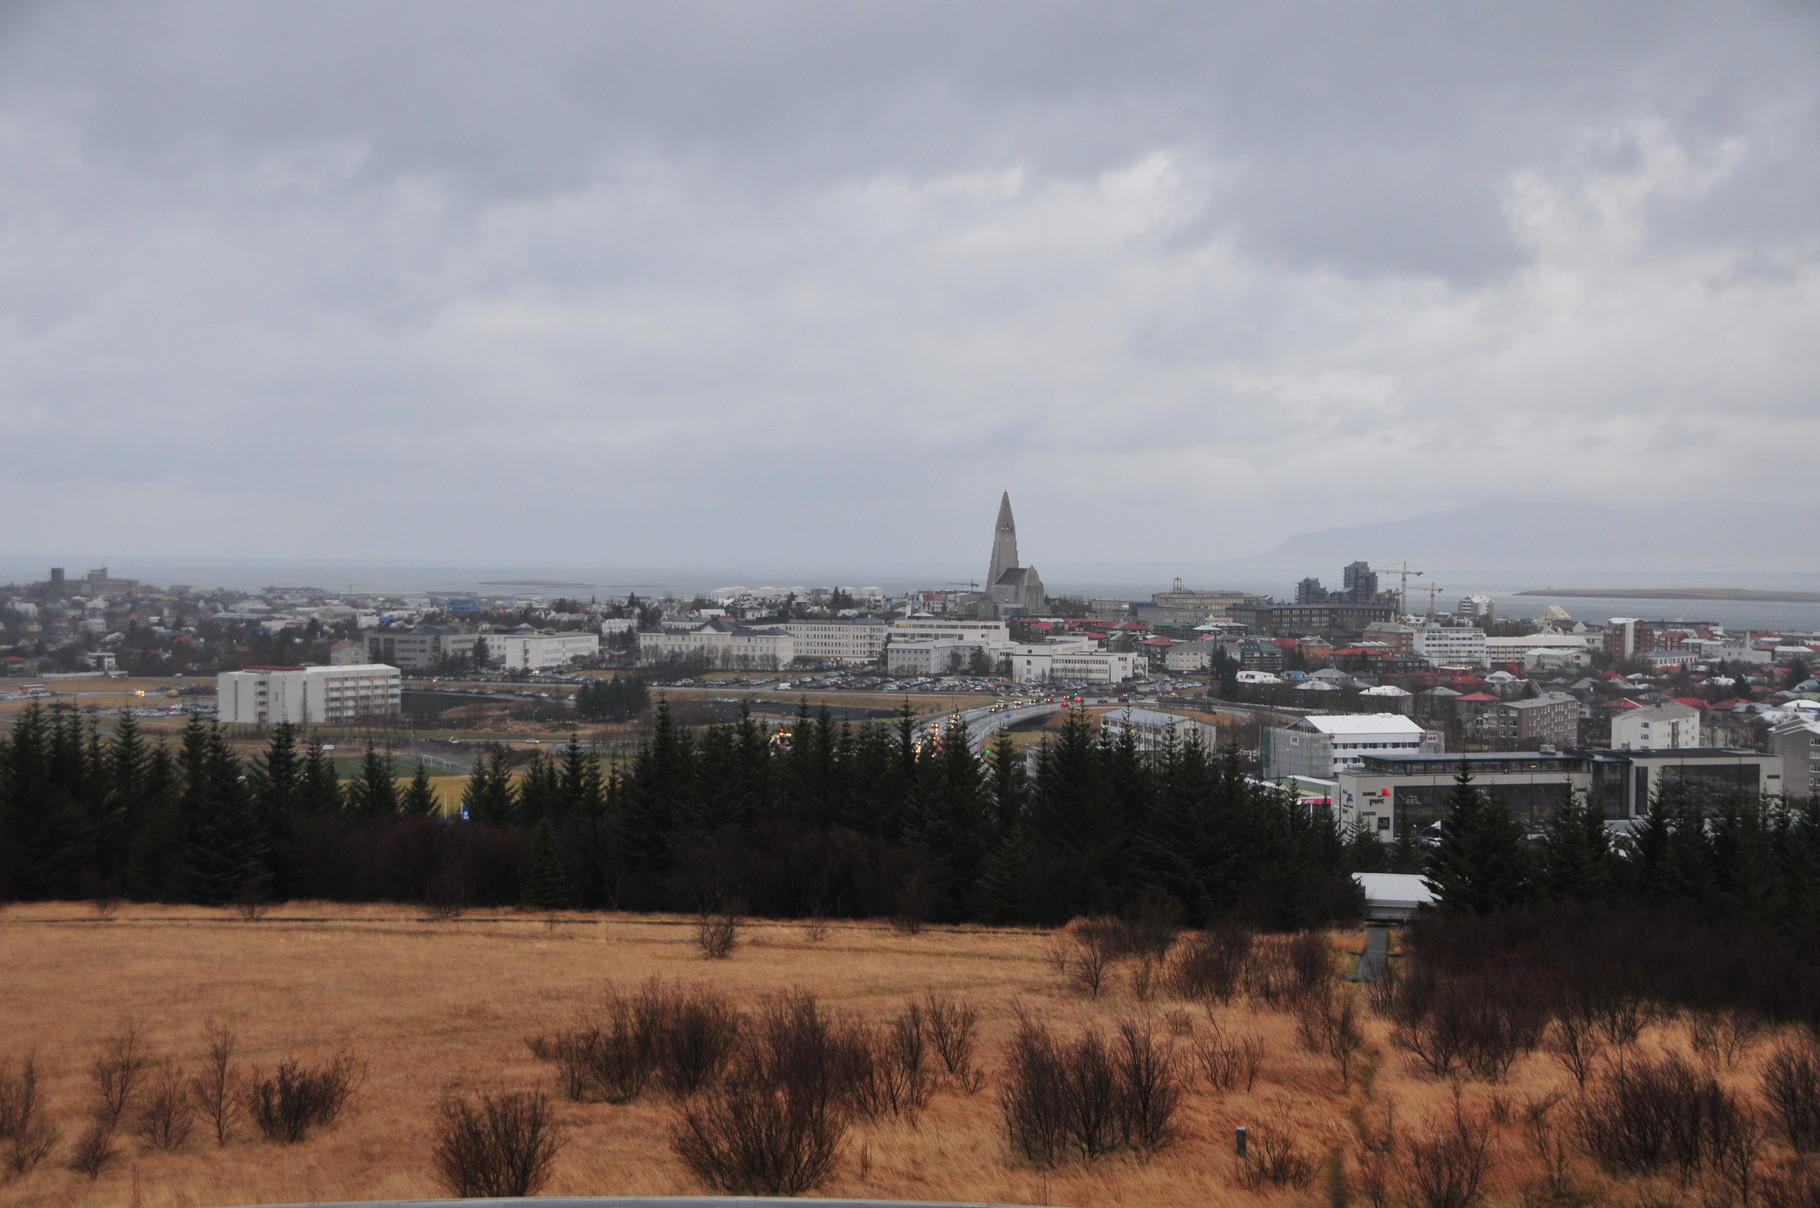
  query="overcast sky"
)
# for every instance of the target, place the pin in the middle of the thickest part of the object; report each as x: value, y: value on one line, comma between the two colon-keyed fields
x: 686, y: 283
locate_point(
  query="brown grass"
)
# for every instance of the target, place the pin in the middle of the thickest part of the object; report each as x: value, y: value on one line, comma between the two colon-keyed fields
x: 440, y: 1009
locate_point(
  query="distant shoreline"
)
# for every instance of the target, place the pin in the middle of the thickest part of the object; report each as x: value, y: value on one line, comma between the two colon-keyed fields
x: 1678, y: 593
x: 530, y: 583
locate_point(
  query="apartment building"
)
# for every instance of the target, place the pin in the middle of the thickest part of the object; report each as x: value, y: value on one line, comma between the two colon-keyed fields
x: 1449, y: 645
x: 1324, y: 746
x: 1661, y: 727
x: 856, y: 640
x: 542, y: 650
x: 307, y: 695
x: 720, y: 643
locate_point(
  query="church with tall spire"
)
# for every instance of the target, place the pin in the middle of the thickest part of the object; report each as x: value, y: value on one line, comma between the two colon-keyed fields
x: 1011, y: 590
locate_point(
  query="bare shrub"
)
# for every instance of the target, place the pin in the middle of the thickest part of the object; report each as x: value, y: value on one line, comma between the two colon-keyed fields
x: 1229, y: 1062
x: 1149, y: 1087
x: 1447, y: 1166
x: 1273, y: 1155
x: 117, y: 1072
x: 698, y: 1038
x: 26, y: 1134
x: 215, y: 1089
x: 1481, y: 1023
x: 1310, y: 963
x: 167, y: 1116
x: 1094, y: 945
x: 1031, y: 1099
x: 1647, y: 1114
x: 1791, y: 1087
x: 297, y: 1098
x: 775, y: 1125
x: 717, y: 929
x: 952, y: 1031
x: 815, y: 928
x: 1723, y: 1037
x: 1795, y: 1185
x: 1575, y: 1044
x: 1376, y: 1156
x: 503, y: 1145
x: 753, y: 1137
x: 95, y: 1149
x: 1327, y: 1022
x: 1210, y: 966
x: 915, y: 899
x: 446, y: 895
x: 1619, y: 1016
x: 1549, y: 1144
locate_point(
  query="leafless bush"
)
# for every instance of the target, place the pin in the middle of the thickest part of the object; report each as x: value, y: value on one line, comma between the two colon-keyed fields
x: 776, y: 1123
x: 717, y: 929
x: 94, y: 1150
x: 1310, y: 963
x: 1230, y: 1062
x: 952, y: 1030
x: 1619, y: 1016
x: 815, y: 928
x: 167, y: 1117
x: 699, y: 1035
x: 253, y: 903
x: 1447, y: 1167
x: 297, y: 1098
x: 1479, y: 1023
x: 1575, y: 1044
x: 26, y: 1135
x: 1551, y: 1146
x: 1087, y: 1097
x: 754, y: 1137
x: 1327, y: 1022
x: 1094, y: 945
x: 884, y: 1072
x: 117, y: 1071
x: 215, y: 1089
x: 1210, y: 966
x: 1149, y: 1087
x: 1647, y: 1114
x: 1273, y: 1156
x: 446, y: 895
x: 1376, y: 1156
x: 504, y: 1145
x: 1722, y: 1037
x: 915, y: 899
x: 1795, y: 1185
x: 1791, y: 1087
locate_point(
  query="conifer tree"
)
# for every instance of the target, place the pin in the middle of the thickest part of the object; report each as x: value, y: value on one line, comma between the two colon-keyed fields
x: 546, y: 888
x: 1481, y: 865
x: 1579, y: 863
x: 374, y: 795
x: 490, y: 797
x: 419, y: 799
x: 224, y: 852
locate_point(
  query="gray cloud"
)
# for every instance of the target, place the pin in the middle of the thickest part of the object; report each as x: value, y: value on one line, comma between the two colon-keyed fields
x: 635, y: 283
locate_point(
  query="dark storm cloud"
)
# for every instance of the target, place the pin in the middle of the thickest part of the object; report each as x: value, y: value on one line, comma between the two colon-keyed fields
x: 712, y: 255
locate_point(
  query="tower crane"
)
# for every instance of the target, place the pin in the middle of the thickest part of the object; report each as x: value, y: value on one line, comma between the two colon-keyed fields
x: 1402, y: 568
x: 1434, y: 589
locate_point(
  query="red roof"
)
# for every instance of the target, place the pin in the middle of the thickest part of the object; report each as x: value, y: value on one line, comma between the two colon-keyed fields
x: 1692, y: 702
x: 1478, y: 697
x: 1283, y: 643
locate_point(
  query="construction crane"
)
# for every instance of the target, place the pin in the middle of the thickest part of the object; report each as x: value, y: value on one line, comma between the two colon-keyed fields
x: 1402, y: 568
x: 969, y: 584
x: 1434, y: 589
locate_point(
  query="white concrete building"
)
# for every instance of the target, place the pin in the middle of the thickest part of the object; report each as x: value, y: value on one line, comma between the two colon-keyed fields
x: 1540, y: 651
x: 938, y: 629
x: 935, y: 657
x: 721, y: 643
x: 1325, y: 746
x: 1151, y: 728
x: 1190, y: 656
x: 1086, y: 666
x: 307, y: 695
x: 540, y: 651
x: 1661, y: 728
x: 1449, y: 646
x: 856, y: 640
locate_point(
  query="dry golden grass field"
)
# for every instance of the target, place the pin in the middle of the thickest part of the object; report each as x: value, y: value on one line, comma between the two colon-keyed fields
x: 432, y: 1006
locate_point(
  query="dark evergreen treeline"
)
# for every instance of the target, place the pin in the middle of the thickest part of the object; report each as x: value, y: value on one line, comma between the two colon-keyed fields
x: 833, y: 819
x: 619, y: 698
x: 1745, y: 859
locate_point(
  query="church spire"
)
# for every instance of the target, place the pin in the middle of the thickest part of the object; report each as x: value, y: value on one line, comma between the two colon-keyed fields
x: 1004, y: 543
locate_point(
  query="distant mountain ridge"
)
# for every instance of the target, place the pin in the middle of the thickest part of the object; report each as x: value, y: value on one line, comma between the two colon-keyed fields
x: 1770, y: 538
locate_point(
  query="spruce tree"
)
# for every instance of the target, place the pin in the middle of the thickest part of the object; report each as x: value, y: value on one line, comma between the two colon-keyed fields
x: 374, y: 795
x: 546, y: 888
x: 1481, y: 865
x: 1579, y: 863
x: 224, y: 852
x: 420, y: 797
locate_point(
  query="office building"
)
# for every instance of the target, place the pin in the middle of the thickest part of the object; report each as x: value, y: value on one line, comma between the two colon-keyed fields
x: 307, y: 695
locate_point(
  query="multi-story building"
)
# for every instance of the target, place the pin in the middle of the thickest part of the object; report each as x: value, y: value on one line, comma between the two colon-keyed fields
x: 1798, y: 745
x: 541, y: 650
x: 1449, y: 645
x: 1294, y: 619
x: 1661, y: 727
x: 934, y: 657
x: 858, y: 640
x: 424, y: 648
x: 935, y: 629
x: 1151, y: 729
x: 307, y: 695
x: 1551, y: 720
x: 719, y: 643
x: 1324, y: 746
x: 1391, y: 789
